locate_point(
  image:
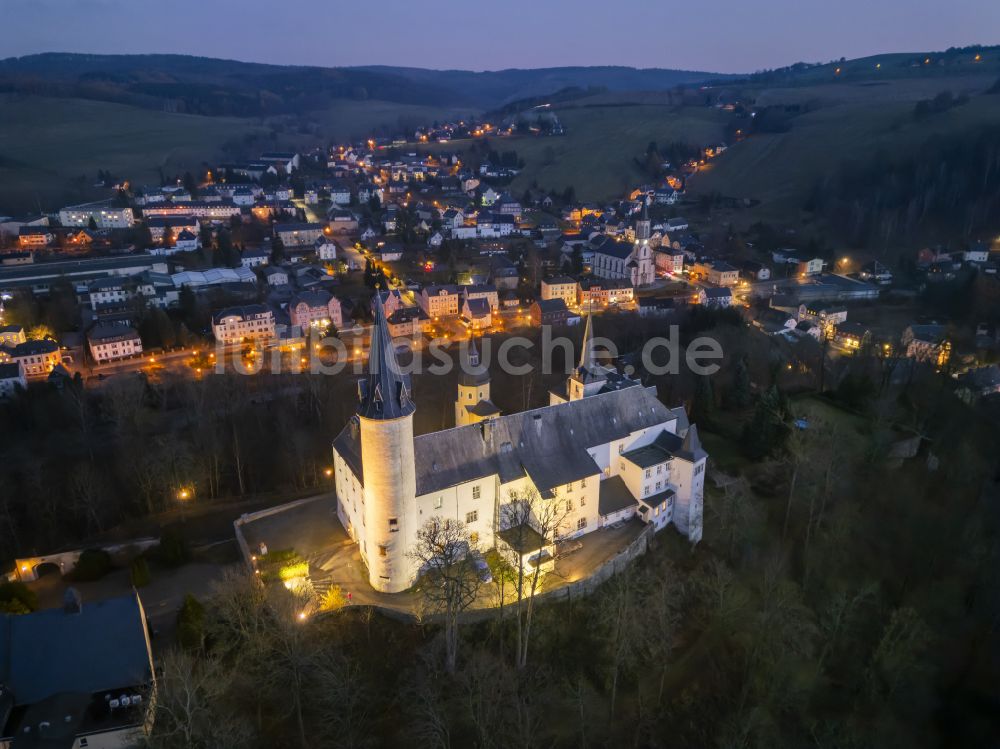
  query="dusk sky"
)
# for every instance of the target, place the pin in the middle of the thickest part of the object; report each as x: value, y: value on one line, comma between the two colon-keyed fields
x: 722, y: 36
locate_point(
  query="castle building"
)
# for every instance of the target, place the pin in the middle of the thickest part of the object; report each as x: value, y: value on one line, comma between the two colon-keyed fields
x: 608, y: 451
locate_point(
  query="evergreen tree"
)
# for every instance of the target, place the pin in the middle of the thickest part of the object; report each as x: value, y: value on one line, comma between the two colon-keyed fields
x: 741, y: 394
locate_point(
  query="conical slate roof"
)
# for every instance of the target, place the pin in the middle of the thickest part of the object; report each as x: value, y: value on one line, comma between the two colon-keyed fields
x: 384, y: 393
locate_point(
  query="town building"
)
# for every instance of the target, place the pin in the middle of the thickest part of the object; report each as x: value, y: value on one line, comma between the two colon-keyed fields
x: 560, y: 287
x: 11, y: 335
x: 549, y: 312
x: 251, y: 322
x: 439, y: 301
x: 598, y: 456
x: 76, y: 676
x: 716, y: 296
x: 104, y: 214
x: 927, y: 343
x: 112, y: 342
x: 315, y: 308
x: 37, y: 358
x: 601, y: 292
x: 297, y: 235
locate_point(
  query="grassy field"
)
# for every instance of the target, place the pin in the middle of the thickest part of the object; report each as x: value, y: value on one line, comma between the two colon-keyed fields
x: 349, y: 119
x: 46, y: 143
x: 851, y: 122
x: 596, y: 154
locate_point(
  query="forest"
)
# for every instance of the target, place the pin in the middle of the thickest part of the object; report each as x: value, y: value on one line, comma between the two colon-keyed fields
x: 950, y: 187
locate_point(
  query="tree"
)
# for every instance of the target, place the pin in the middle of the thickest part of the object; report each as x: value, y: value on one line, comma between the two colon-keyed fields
x: 449, y: 579
x: 526, y: 517
x: 742, y: 395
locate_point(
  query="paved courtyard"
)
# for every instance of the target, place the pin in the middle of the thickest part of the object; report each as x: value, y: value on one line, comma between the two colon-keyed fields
x: 313, y: 530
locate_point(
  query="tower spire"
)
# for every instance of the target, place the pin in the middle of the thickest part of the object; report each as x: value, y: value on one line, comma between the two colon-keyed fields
x: 384, y: 393
x: 587, y: 348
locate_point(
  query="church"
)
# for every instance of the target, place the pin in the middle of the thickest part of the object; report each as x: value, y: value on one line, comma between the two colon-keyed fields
x: 632, y: 262
x: 605, y: 446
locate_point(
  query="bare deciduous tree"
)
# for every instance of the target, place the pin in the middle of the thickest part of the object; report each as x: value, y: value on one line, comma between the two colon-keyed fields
x: 449, y: 580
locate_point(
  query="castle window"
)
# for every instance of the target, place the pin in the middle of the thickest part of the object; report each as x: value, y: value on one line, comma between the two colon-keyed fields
x: 472, y: 517
x: 569, y: 487
x: 659, y: 469
x: 476, y: 492
x: 581, y: 524
x: 658, y: 483
x: 383, y: 550
x: 583, y: 483
x: 649, y: 472
x: 569, y: 505
x: 393, y: 525
x: 645, y: 491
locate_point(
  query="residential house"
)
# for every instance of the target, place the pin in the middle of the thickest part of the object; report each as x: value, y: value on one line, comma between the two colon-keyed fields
x: 298, y: 235
x: 11, y: 335
x: 109, y: 292
x: 38, y: 358
x: 754, y: 271
x: 439, y: 301
x: 34, y: 237
x: 247, y: 323
x: 160, y: 226
x: 669, y: 260
x: 104, y: 214
x: 326, y: 249
x: 483, y: 291
x: 315, y: 308
x: 716, y: 297
x: 717, y: 272
x: 112, y: 342
x: 927, y: 343
x: 255, y: 257
x: 275, y: 275
x: 549, y: 312
x: 601, y: 292
x: 560, y: 287
x: 477, y: 313
x: 851, y: 335
x: 407, y: 322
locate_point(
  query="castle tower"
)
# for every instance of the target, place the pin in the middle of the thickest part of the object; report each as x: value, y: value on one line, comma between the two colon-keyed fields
x: 473, y: 403
x: 385, y: 413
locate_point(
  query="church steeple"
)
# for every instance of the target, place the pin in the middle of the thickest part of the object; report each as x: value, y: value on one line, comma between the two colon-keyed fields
x: 384, y: 393
x: 643, y: 225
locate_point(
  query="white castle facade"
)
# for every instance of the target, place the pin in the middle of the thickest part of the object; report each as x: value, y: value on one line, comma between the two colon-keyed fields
x: 605, y: 447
